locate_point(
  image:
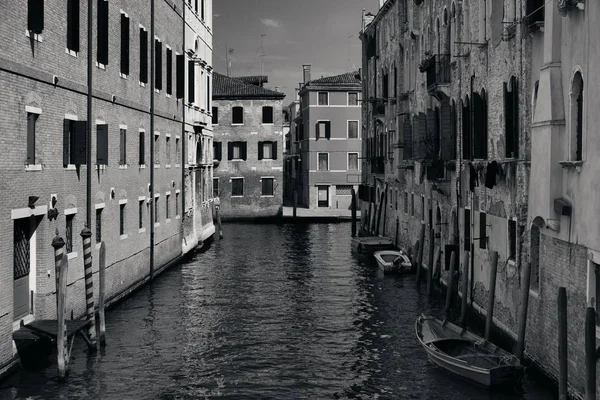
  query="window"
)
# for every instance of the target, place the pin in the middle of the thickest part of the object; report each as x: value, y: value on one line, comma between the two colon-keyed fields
x: 99, y: 225
x: 512, y: 240
x: 577, y: 117
x: 143, y: 55
x: 208, y: 92
x: 217, y: 149
x: 323, y: 162
x: 396, y: 196
x: 511, y: 118
x: 202, y: 9
x: 323, y: 99
x: 267, y: 150
x: 141, y: 214
x: 169, y: 68
x: 215, y: 187
x: 122, y: 219
x: 102, y: 40
x: 353, y: 99
x: 412, y: 204
x: 267, y: 186
x: 176, y: 203
x: 180, y: 71
x: 405, y: 202
x: 466, y: 129
x: 423, y: 208
x: 123, y: 147
x: 168, y: 148
x: 31, y: 123
x: 167, y: 213
x: 156, y: 149
x: 343, y: 190
x: 237, y: 115
x: 480, y: 126
x: 191, y: 82
x: 482, y: 231
x: 352, y: 129
x: 352, y: 161
x: 35, y: 16
x: 267, y: 115
x: 236, y: 150
x: 158, y: 64
x: 156, y: 209
x: 467, y: 230
x: 69, y: 233
x: 142, y: 150
x: 323, y: 130
x: 102, y: 144
x: 177, y: 150
x: 215, y: 115
x: 124, y: 44
x: 237, y: 187
x: 74, y: 142
x: 73, y: 26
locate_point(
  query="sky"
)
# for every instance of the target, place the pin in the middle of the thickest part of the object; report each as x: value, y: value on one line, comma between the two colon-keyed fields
x: 322, y: 33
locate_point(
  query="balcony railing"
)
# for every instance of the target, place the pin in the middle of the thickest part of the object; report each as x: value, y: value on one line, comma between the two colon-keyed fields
x: 377, y: 165
x: 438, y: 72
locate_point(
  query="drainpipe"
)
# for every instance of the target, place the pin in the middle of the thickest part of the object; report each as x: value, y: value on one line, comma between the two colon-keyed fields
x: 183, y: 134
x: 472, y: 246
x: 88, y: 188
x: 152, y: 198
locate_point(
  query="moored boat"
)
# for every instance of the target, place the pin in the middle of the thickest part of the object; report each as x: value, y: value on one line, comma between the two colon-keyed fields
x: 466, y: 354
x: 370, y: 244
x: 393, y: 261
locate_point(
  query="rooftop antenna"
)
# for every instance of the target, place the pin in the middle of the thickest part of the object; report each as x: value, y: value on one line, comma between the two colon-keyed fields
x: 261, y: 53
x: 229, y: 60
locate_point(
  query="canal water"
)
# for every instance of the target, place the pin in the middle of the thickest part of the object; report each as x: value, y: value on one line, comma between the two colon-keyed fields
x: 270, y: 312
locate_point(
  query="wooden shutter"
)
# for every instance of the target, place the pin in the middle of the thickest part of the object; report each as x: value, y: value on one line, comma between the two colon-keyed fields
x: 124, y: 44
x: 103, y: 32
x: 429, y: 140
x: 122, y: 147
x: 274, y: 150
x: 318, y: 132
x: 328, y: 129
x: 180, y: 72
x: 482, y: 230
x: 408, y: 141
x: 31, y: 118
x: 66, y: 142
x: 478, y: 123
x: 158, y: 62
x: 230, y: 150
x: 169, y: 68
x: 143, y: 55
x: 79, y: 143
x: 446, y: 131
x: 244, y: 150
x: 142, y: 148
x: 73, y: 25
x: 260, y: 150
x: 35, y: 16
x: 191, y: 83
x: 102, y: 144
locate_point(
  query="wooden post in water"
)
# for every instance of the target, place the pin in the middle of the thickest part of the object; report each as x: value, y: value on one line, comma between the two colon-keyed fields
x: 464, y: 289
x: 295, y: 202
x: 420, y: 255
x: 524, y: 306
x: 101, y: 290
x: 562, y: 344
x: 489, y: 318
x: 415, y: 255
x: 353, y: 192
x: 450, y: 285
x: 88, y: 275
x: 61, y: 332
x: 384, y: 210
x: 379, y: 214
x: 430, y: 263
x: 436, y: 260
x: 590, y: 353
x: 397, y: 228
x: 217, y: 211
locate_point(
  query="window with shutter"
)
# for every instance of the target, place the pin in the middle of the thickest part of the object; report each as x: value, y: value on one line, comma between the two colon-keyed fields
x: 237, y: 115
x: 102, y: 144
x: 267, y: 115
x: 169, y: 70
x: 31, y: 122
x: 143, y: 55
x: 79, y: 143
x: 215, y: 115
x: 142, y: 148
x: 124, y: 44
x: 191, y: 82
x: 73, y: 25
x: 35, y: 16
x: 180, y: 72
x: 102, y: 40
x: 158, y: 64
x: 261, y: 151
x: 123, y: 147
x: 244, y: 150
x: 274, y: 150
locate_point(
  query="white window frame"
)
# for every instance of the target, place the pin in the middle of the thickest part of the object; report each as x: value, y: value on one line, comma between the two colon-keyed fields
x: 177, y: 198
x: 357, y: 99
x: 231, y: 181
x: 319, y: 121
x: 141, y: 201
x: 36, y: 166
x: 156, y: 198
x: 267, y: 177
x: 71, y: 117
x: 318, y: 163
x: 322, y: 105
x: 357, y: 129
x: 348, y: 161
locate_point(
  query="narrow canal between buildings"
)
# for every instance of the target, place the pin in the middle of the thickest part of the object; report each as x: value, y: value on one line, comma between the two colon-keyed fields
x: 270, y: 312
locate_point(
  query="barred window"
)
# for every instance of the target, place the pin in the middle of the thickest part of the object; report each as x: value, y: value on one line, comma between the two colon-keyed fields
x: 343, y: 190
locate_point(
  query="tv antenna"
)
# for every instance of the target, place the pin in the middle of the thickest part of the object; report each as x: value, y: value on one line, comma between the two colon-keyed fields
x: 261, y: 53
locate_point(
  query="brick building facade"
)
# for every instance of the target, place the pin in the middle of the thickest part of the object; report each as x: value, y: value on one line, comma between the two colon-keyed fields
x: 248, y: 147
x: 43, y: 75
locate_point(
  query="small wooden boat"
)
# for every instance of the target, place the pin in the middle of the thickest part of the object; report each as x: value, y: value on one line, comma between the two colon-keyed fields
x: 393, y: 261
x: 369, y: 244
x: 466, y: 354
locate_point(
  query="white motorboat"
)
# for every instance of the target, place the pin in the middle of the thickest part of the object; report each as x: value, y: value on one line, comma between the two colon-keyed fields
x: 393, y: 261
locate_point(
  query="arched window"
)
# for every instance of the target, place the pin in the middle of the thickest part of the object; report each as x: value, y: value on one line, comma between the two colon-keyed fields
x: 438, y: 36
x: 452, y: 29
x: 453, y: 127
x: 199, y: 152
x: 577, y: 117
x: 511, y: 118
x: 466, y: 129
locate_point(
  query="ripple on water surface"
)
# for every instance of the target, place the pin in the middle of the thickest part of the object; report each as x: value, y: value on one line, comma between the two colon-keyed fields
x: 270, y: 312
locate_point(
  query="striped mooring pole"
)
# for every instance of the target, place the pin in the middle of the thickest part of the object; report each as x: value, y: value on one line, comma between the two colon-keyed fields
x: 86, y: 234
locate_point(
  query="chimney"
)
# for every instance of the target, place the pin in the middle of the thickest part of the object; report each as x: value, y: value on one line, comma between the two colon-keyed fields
x: 306, y: 69
x: 277, y: 88
x: 297, y: 94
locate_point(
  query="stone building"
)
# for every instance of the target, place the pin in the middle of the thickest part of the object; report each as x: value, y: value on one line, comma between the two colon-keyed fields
x: 327, y: 143
x: 248, y: 147
x: 150, y: 109
x: 447, y: 136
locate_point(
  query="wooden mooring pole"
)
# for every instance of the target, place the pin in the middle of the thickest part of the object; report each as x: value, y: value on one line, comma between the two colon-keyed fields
x: 430, y: 262
x: 450, y: 285
x: 61, y: 268
x: 219, y: 226
x: 489, y: 317
x: 591, y: 353
x: 563, y: 372
x: 464, y: 289
x: 397, y: 229
x: 379, y: 214
x: 353, y: 192
x: 101, y: 290
x: 420, y: 253
x: 520, y: 349
x: 295, y: 202
x: 88, y: 275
